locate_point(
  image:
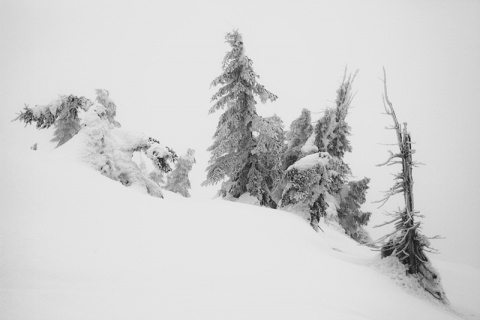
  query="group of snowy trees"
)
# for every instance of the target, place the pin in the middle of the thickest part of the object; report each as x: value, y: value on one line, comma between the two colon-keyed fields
x: 107, y: 147
x: 302, y: 169
x: 316, y: 177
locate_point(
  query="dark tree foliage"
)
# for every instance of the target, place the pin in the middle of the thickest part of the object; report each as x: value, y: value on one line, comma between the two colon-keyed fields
x: 300, y: 130
x: 62, y: 114
x: 332, y: 130
x: 178, y: 180
x: 313, y: 185
x: 351, y: 218
x: 160, y: 162
x: 310, y: 185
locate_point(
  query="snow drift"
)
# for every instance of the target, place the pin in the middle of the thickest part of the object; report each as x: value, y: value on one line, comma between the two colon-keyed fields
x: 75, y: 245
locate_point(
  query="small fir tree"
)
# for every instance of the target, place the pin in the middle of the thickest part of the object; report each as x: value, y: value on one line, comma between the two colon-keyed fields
x: 67, y: 123
x: 308, y: 185
x: 300, y: 131
x: 178, y: 180
x: 317, y: 183
x: 103, y: 97
x: 62, y: 113
x: 233, y: 154
x: 321, y: 185
x: 108, y: 151
x: 157, y: 176
x: 267, y: 159
x: 332, y: 130
x: 350, y: 217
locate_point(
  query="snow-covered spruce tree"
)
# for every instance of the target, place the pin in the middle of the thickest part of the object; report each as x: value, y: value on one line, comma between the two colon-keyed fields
x: 266, y: 159
x: 350, y: 217
x: 62, y: 113
x: 332, y: 130
x: 233, y: 153
x: 103, y: 97
x: 301, y: 130
x: 157, y: 176
x: 308, y: 186
x: 406, y: 242
x: 317, y: 183
x: 104, y: 146
x: 178, y: 180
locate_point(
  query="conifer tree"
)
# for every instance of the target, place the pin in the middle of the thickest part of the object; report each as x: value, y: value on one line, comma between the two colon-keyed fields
x: 332, y: 130
x: 108, y: 151
x: 232, y: 152
x: 103, y: 97
x: 350, y: 217
x: 331, y: 134
x: 308, y: 184
x: 62, y: 113
x: 318, y: 182
x: 67, y: 123
x: 157, y: 176
x: 406, y: 242
x: 300, y: 130
x: 266, y: 159
x: 178, y: 180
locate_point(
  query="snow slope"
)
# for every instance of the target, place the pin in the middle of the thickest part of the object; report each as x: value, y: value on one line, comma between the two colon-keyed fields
x: 77, y: 245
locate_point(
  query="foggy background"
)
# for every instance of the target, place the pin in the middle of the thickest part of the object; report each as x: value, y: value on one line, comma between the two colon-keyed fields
x: 158, y: 58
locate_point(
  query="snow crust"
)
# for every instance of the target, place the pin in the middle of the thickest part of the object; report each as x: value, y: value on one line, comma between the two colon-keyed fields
x: 76, y: 245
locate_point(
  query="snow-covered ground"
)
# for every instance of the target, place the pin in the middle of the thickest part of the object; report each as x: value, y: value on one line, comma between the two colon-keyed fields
x: 77, y: 245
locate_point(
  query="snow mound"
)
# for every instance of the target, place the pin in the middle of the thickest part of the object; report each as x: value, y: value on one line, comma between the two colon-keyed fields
x: 310, y: 161
x: 309, y: 146
x: 75, y: 245
x: 396, y: 271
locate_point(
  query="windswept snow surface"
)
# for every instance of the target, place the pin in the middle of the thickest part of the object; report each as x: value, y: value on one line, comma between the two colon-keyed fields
x: 77, y: 245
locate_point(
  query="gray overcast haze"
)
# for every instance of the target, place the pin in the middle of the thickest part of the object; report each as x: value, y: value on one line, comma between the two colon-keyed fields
x: 157, y: 59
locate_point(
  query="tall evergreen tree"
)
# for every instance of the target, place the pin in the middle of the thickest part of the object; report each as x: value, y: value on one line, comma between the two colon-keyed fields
x: 232, y: 152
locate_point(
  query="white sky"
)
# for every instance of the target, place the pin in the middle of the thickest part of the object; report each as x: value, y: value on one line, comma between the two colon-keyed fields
x: 157, y: 59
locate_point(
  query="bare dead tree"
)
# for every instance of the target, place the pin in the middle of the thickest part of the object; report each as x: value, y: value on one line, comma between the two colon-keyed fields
x: 406, y: 242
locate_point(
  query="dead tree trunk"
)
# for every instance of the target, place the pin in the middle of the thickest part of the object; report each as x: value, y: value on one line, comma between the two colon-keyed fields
x: 406, y: 243
x: 407, y: 164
